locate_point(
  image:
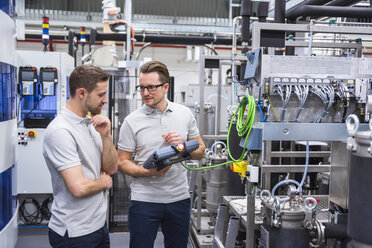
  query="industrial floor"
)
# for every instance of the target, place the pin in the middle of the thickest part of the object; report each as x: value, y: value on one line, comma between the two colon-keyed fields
x: 37, y: 237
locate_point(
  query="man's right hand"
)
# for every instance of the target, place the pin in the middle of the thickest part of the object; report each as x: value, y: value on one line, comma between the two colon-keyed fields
x: 106, y: 180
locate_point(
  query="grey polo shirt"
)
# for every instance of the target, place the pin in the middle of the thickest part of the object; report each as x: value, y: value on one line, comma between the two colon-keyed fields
x: 71, y: 140
x: 141, y: 133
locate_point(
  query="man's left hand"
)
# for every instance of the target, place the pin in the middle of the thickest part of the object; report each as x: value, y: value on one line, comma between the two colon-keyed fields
x: 101, y: 124
x: 172, y: 138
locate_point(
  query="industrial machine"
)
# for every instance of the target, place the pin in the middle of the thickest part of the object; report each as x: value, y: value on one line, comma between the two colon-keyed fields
x: 43, y: 92
x: 293, y: 141
x: 8, y: 126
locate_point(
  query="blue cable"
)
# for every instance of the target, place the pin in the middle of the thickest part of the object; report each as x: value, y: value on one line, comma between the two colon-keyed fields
x: 262, y: 115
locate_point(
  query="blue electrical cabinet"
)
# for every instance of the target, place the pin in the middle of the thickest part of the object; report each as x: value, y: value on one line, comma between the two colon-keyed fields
x: 8, y: 127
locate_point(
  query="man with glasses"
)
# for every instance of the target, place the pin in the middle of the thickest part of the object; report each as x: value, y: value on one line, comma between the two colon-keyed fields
x: 158, y: 198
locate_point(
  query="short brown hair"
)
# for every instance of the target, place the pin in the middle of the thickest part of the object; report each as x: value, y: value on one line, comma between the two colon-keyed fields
x: 156, y: 66
x: 87, y: 77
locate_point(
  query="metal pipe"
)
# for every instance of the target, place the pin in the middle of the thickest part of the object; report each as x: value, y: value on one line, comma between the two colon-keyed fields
x: 343, y: 2
x: 250, y: 241
x: 233, y: 69
x: 143, y: 48
x: 335, y: 11
x: 245, y: 12
x: 279, y: 11
x: 166, y: 39
x: 71, y: 35
x: 308, y: 2
x: 128, y: 18
x: 235, y: 23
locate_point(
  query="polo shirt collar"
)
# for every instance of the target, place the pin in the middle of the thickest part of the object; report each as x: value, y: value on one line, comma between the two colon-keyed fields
x: 148, y: 110
x: 75, y: 118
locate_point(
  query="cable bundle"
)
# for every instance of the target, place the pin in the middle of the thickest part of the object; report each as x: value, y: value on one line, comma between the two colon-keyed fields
x: 284, y: 95
x: 302, y: 92
x: 31, y: 213
x: 30, y: 218
x: 242, y: 126
x: 327, y: 94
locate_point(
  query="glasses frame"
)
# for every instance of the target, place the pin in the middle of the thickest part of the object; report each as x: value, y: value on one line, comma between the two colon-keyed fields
x: 139, y: 89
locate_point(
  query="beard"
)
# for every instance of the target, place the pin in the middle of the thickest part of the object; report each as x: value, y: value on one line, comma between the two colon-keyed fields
x: 93, y: 109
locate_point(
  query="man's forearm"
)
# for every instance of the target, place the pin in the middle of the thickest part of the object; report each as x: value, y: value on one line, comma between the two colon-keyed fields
x: 109, y: 155
x: 89, y: 187
x: 130, y: 168
x: 198, y: 154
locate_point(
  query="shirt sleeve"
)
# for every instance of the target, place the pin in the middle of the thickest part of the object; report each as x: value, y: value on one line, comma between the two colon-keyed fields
x: 127, y: 140
x: 59, y: 147
x: 193, y: 126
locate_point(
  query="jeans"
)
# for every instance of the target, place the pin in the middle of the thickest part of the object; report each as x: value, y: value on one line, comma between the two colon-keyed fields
x: 97, y: 239
x: 146, y: 217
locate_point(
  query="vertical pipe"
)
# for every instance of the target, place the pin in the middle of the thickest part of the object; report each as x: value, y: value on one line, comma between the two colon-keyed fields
x: 279, y: 13
x: 245, y: 12
x: 219, y: 92
x: 128, y: 18
x: 202, y: 120
x: 233, y: 69
x: 250, y: 242
x: 71, y: 35
x: 170, y: 94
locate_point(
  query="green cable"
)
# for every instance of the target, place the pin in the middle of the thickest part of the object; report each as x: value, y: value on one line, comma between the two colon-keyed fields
x: 205, y: 167
x: 243, y: 128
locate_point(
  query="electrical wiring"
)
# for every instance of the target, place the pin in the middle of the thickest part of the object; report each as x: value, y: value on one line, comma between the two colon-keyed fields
x: 284, y: 95
x: 205, y: 167
x: 262, y: 115
x: 243, y: 128
x: 45, y: 208
x: 271, y: 105
x: 327, y: 94
x: 30, y: 218
x: 302, y: 91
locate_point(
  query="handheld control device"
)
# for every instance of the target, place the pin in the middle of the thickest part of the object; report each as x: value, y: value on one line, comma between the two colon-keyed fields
x: 163, y: 157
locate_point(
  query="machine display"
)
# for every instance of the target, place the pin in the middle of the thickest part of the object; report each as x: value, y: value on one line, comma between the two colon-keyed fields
x: 48, y: 80
x: 27, y: 77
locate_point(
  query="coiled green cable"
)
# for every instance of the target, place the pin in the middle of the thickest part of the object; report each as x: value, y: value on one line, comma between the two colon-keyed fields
x: 243, y: 128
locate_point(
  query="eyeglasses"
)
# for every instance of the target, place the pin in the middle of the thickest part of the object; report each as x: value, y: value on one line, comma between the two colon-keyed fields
x: 150, y: 88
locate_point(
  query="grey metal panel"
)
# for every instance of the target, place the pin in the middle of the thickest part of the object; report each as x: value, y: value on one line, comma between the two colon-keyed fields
x: 339, y: 177
x: 8, y: 131
x: 306, y: 131
x: 323, y: 44
x: 311, y: 67
x: 296, y: 154
x: 294, y: 168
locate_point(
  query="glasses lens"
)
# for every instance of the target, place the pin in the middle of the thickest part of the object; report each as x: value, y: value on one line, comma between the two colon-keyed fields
x: 151, y: 87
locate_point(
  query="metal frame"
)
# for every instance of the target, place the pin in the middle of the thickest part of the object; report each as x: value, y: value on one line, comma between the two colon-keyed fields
x: 257, y: 27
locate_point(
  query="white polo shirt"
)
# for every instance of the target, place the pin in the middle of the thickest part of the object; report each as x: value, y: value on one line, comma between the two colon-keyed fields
x: 71, y: 140
x: 141, y: 133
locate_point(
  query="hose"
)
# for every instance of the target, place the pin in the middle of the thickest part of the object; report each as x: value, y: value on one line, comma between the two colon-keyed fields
x: 306, y: 166
x: 216, y: 143
x: 288, y: 181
